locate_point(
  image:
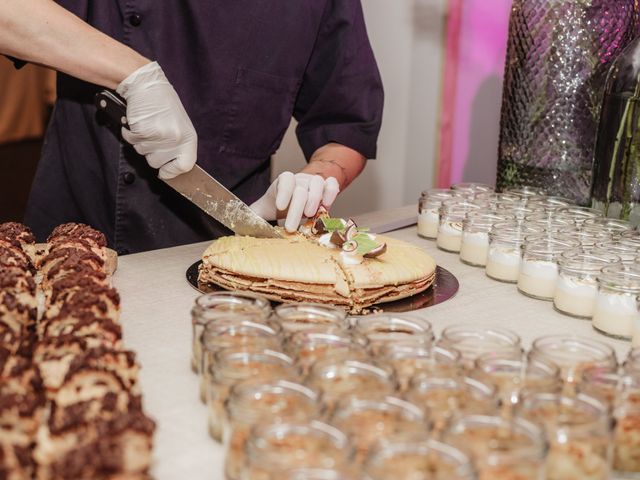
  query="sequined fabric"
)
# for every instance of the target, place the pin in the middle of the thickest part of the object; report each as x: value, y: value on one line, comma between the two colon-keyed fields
x: 558, y: 56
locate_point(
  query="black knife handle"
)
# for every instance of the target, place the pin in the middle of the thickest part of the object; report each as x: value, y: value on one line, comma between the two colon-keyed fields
x: 113, y: 107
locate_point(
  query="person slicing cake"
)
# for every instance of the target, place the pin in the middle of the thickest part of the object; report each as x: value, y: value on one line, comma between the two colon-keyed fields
x: 238, y: 71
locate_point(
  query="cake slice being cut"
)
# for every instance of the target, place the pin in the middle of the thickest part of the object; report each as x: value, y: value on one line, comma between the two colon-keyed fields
x: 321, y: 268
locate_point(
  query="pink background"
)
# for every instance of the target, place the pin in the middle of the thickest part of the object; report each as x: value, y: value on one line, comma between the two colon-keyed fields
x: 472, y: 90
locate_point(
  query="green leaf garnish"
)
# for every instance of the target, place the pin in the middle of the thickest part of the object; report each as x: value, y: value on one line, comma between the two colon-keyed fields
x: 365, y: 243
x: 333, y: 224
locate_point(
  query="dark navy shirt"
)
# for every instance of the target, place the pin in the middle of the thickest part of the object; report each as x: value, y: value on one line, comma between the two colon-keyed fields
x: 242, y: 69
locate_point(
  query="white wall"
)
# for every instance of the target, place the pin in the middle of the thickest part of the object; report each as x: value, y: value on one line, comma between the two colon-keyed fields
x: 406, y: 36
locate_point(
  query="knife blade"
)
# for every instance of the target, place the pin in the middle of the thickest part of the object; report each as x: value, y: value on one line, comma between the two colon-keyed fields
x: 198, y: 186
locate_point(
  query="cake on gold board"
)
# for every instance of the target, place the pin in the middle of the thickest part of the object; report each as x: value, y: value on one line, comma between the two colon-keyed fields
x: 330, y: 261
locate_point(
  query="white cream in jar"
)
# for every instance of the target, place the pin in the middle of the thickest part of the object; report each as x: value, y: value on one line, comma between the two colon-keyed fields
x: 537, y: 278
x: 429, y: 211
x: 539, y: 271
x: 617, y: 307
x: 452, y: 215
x: 428, y: 222
x: 475, y: 236
x: 503, y: 263
x: 577, y: 287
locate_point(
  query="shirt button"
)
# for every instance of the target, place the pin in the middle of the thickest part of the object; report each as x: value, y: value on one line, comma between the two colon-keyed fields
x: 135, y: 19
x: 128, y: 178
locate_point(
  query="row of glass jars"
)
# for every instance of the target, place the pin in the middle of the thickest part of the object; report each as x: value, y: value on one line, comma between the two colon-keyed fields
x: 587, y: 265
x: 308, y: 389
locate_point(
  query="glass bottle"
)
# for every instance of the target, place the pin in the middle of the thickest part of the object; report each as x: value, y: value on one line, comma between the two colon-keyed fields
x: 616, y: 170
x: 558, y: 55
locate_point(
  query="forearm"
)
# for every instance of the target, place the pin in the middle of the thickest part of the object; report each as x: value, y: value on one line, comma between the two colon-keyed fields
x: 42, y: 32
x: 335, y: 160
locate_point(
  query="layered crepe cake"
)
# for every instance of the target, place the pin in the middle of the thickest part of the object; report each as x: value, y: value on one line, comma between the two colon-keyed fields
x: 319, y: 268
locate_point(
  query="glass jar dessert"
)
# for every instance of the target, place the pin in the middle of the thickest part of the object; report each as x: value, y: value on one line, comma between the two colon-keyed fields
x: 429, y: 211
x: 627, y: 253
x: 410, y: 361
x: 474, y: 341
x: 253, y: 401
x: 212, y: 306
x: 501, y: 449
x: 230, y: 332
x: 370, y: 419
x: 578, y: 430
x: 381, y: 330
x: 580, y: 214
x: 341, y: 378
x: 472, y: 188
x: 310, y: 347
x: 617, y: 307
x: 504, y: 257
x: 475, y: 236
x: 449, y: 396
x: 539, y: 269
x: 321, y: 474
x: 573, y: 354
x: 309, y: 316
x: 588, y: 238
x: 527, y: 191
x: 550, y: 203
x: 275, y: 448
x: 609, y: 225
x: 417, y: 457
x: 496, y: 201
x: 452, y: 215
x: 234, y: 365
x: 550, y: 220
x: 512, y: 376
x: 577, y: 286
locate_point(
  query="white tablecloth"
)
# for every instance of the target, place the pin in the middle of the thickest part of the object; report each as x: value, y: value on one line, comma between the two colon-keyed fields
x: 156, y: 300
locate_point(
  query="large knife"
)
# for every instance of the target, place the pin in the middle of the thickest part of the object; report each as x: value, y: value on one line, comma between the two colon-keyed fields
x: 197, y: 185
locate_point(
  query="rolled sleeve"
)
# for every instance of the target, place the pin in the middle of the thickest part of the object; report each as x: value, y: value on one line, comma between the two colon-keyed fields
x: 341, y: 97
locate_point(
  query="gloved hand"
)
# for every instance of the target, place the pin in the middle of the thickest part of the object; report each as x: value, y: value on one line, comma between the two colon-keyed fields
x: 299, y: 194
x: 159, y: 127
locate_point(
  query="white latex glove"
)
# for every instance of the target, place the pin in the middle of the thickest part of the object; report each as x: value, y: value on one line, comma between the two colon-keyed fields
x: 300, y: 194
x: 159, y: 127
